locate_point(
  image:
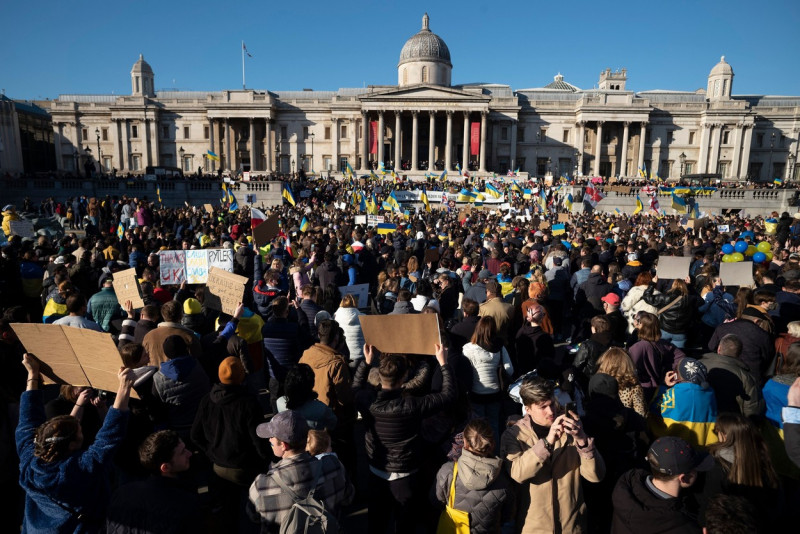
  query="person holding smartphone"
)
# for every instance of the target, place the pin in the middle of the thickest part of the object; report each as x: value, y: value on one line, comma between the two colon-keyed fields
x: 547, y: 452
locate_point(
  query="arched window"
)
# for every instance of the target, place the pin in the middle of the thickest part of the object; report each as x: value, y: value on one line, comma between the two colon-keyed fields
x: 424, y: 74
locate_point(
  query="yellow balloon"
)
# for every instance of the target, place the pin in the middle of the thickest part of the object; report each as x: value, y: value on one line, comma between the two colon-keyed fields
x: 750, y: 250
x: 769, y: 255
x: 764, y: 247
x: 737, y: 256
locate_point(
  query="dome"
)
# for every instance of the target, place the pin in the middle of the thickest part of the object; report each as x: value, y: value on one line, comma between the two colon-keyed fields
x: 142, y: 66
x: 425, y: 46
x: 723, y: 67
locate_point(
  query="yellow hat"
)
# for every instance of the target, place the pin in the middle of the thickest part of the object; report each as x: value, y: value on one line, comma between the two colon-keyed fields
x: 192, y: 307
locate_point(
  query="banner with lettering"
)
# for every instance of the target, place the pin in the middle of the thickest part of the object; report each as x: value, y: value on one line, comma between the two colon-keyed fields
x: 373, y: 137
x: 475, y: 138
x: 175, y: 266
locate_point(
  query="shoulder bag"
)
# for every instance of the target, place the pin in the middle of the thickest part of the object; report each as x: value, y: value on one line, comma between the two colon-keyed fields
x: 453, y: 521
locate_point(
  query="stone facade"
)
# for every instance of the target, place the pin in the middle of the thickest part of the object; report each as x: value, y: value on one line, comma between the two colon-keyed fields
x: 424, y: 124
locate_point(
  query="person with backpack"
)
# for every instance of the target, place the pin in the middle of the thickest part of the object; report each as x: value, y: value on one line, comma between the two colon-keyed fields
x: 300, y: 493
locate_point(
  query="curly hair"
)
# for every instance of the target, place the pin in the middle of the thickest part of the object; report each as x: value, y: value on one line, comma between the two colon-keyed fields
x: 53, y: 438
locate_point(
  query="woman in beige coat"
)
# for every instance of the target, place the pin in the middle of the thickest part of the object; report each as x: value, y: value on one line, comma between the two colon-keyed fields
x: 547, y: 453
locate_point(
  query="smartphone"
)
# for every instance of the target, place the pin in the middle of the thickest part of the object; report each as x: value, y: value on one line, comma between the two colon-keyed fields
x: 572, y: 407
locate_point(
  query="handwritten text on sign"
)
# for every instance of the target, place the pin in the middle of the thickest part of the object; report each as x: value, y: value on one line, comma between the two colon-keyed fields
x: 225, y: 290
x: 172, y: 264
x: 192, y: 265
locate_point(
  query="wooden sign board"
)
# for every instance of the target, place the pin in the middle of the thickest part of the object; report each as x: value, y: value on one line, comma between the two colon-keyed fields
x: 416, y: 333
x: 126, y: 287
x: 73, y: 356
x: 209, y: 208
x: 623, y: 189
x: 673, y: 267
x: 544, y: 225
x: 266, y: 231
x: 696, y: 224
x: 225, y: 290
x: 736, y: 274
x: 564, y: 217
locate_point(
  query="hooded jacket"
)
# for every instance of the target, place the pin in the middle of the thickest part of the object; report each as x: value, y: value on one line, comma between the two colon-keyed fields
x: 482, y: 490
x: 181, y: 383
x: 637, y: 509
x: 733, y: 385
x: 331, y: 378
x: 350, y: 324
x: 589, y: 294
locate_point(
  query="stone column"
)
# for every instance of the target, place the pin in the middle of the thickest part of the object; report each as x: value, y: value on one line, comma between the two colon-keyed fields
x: 623, y: 165
x: 364, y: 140
x: 268, y: 148
x: 380, y: 138
x: 578, y: 146
x: 482, y: 163
x: 598, y: 148
x: 57, y: 143
x: 748, y: 143
x: 146, y: 141
x: 210, y: 145
x: 448, y: 144
x: 642, y: 137
x: 702, y: 163
x: 218, y: 144
x: 465, y: 148
x: 737, y: 150
x: 414, y: 140
x: 228, y: 158
x: 398, y: 141
x: 253, y: 152
x: 512, y: 158
x: 432, y: 141
x: 154, y: 142
x: 715, y: 144
x: 125, y: 162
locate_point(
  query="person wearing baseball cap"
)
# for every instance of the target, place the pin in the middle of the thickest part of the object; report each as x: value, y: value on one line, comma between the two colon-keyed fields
x: 642, y: 500
x: 619, y: 324
x: 297, y: 470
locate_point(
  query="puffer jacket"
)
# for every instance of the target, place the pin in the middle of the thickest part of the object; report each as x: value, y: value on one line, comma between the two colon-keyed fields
x: 589, y: 352
x: 181, y: 384
x: 281, y: 346
x: 675, y: 320
x: 104, y: 308
x: 484, y: 364
x: 482, y: 490
x: 348, y: 320
x: 634, y: 303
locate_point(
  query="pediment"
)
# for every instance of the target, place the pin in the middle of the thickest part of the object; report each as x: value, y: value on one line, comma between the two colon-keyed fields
x: 425, y: 93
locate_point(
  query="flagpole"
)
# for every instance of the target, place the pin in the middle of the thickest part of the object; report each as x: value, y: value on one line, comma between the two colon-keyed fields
x: 243, y: 85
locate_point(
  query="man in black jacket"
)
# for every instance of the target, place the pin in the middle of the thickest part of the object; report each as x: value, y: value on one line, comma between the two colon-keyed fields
x: 393, y: 439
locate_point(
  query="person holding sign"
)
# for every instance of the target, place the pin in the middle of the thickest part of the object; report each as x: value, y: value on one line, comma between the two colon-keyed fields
x: 66, y: 489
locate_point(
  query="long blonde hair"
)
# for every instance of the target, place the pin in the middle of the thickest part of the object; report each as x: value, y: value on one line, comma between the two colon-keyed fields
x: 617, y: 363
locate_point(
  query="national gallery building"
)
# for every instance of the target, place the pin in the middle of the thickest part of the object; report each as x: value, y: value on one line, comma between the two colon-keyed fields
x: 425, y: 124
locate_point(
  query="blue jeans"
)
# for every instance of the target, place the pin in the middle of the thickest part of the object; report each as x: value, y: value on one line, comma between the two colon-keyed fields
x: 679, y: 340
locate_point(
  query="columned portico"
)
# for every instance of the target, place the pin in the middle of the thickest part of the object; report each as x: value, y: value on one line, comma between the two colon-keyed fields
x: 465, y: 147
x: 623, y: 163
x: 482, y: 164
x: 748, y: 141
x: 414, y: 140
x: 578, y: 146
x: 268, y: 146
x: 448, y: 146
x: 512, y: 149
x: 642, y: 137
x: 379, y: 153
x: 365, y: 141
x: 598, y: 148
x: 715, y: 143
x: 432, y: 141
x: 702, y: 164
x: 335, y: 144
x: 398, y: 137
x: 253, y: 165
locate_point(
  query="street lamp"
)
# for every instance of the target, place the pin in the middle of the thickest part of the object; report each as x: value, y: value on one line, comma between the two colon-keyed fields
x: 682, y: 157
x: 292, y: 166
x: 311, y: 135
x: 99, y: 154
x: 76, y: 155
x: 549, y: 161
x: 181, y: 152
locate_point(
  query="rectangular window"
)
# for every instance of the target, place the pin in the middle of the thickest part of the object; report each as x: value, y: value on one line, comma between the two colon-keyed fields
x: 342, y: 164
x: 134, y: 131
x: 520, y: 134
x: 343, y: 131
x: 647, y: 140
x: 688, y: 168
x: 136, y: 162
x: 165, y: 132
x: 326, y: 163
x: 84, y: 135
x: 725, y: 135
x: 565, y: 136
x: 504, y: 134
x: 543, y: 135
x: 586, y: 137
x: 187, y: 163
x: 777, y: 170
x: 206, y: 132
x: 106, y: 163
x: 284, y: 135
x: 755, y: 170
x: 327, y: 132
x: 760, y: 141
x: 105, y: 134
x: 670, y: 137
x: 186, y: 132
x: 723, y: 168
x: 305, y: 132
x: 691, y: 138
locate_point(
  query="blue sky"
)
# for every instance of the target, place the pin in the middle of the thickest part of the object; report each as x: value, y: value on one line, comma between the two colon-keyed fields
x: 87, y: 46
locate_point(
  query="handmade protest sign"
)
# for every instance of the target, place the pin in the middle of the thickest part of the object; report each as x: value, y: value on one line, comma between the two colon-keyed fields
x: 564, y: 217
x: 222, y: 258
x: 172, y: 267
x: 196, y: 266
x: 673, y: 267
x: 736, y: 274
x: 264, y: 232
x: 126, y: 287
x: 22, y: 228
x: 416, y: 333
x: 72, y: 356
x: 225, y: 290
x: 209, y: 208
x: 361, y: 291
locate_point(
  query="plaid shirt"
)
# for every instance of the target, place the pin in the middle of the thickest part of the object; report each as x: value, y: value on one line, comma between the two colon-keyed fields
x: 271, y: 504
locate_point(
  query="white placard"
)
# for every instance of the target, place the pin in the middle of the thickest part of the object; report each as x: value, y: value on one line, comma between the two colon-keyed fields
x: 22, y: 228
x: 360, y: 290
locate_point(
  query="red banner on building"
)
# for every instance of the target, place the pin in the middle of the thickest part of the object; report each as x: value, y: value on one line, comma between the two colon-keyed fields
x: 475, y: 138
x: 373, y: 137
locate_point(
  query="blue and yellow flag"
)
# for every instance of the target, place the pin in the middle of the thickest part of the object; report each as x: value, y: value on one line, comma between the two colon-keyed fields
x: 559, y: 229
x: 381, y: 168
x: 348, y: 169
x: 515, y: 187
x: 568, y: 201
x: 543, y: 199
x: 443, y: 176
x: 526, y: 193
x: 372, y: 175
x: 372, y: 205
x: 392, y: 202
x: 639, y: 205
x: 777, y: 181
x: 466, y: 196
x: 286, y: 192
x: 120, y: 230
x: 424, y: 198
x: 362, y: 202
x: 233, y: 205
x: 687, y: 411
x: 493, y: 191
x: 678, y: 203
x: 386, y: 228
x: 158, y: 193
x: 210, y: 155
x: 304, y: 224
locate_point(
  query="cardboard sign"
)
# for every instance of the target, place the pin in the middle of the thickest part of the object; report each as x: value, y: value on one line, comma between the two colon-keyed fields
x: 225, y: 290
x: 209, y: 208
x: 672, y: 267
x: 360, y: 219
x: 196, y: 266
x: 266, y: 231
x: 696, y: 224
x: 359, y: 290
x: 172, y: 267
x: 544, y: 225
x: 431, y: 255
x: 624, y: 189
x: 723, y: 228
x: 373, y: 220
x: 416, y: 333
x: 564, y: 217
x: 221, y: 258
x: 22, y: 228
x: 736, y: 274
x: 73, y: 356
x: 126, y: 286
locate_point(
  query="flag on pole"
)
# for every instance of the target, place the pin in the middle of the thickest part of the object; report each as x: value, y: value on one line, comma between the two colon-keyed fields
x: 678, y: 203
x: 654, y: 204
x: 493, y: 191
x: 256, y: 217
x: 386, y: 228
x: 568, y: 201
x: 244, y: 49
x: 592, y: 196
x: 158, y: 193
x: 443, y: 176
x: 424, y: 198
x: 639, y: 205
x: 304, y: 224
x: 211, y: 155
x: 348, y: 169
x: 392, y: 202
x: 233, y: 205
x: 286, y: 192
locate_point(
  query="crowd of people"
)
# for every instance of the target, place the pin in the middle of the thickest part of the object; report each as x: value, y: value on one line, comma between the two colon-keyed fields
x: 572, y: 389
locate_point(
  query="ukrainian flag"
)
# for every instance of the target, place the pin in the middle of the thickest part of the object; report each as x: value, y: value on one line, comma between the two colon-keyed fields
x: 777, y: 181
x: 304, y: 224
x: 348, y: 169
x: 286, y: 192
x: 392, y: 202
x: 372, y: 175
x: 688, y: 411
x: 372, y: 205
x: 696, y: 211
x: 515, y: 187
x: 211, y: 155
x: 526, y: 193
x: 542, y: 199
x: 424, y: 198
x: 234, y: 205
x: 639, y: 205
x: 466, y: 196
x: 386, y: 228
x: 568, y: 201
x: 381, y: 168
x: 559, y: 229
x: 443, y: 176
x: 120, y: 231
x: 678, y: 203
x: 362, y: 202
x: 493, y: 191
x: 158, y: 194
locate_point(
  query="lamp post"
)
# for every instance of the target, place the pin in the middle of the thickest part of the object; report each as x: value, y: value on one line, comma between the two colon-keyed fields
x: 292, y: 166
x: 181, y: 152
x: 771, y: 146
x: 682, y: 158
x: 536, y: 152
x: 311, y: 135
x: 99, y: 154
x: 549, y: 162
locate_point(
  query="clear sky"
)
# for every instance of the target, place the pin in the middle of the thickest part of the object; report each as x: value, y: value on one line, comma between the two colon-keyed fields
x: 53, y: 47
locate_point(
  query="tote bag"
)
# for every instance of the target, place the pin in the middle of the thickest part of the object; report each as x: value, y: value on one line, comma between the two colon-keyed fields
x: 453, y: 521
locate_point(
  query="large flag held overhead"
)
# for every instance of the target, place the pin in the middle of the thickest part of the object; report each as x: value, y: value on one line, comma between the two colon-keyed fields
x: 392, y: 202
x: 286, y: 192
x: 568, y: 201
x: 349, y: 170
x: 304, y: 224
x: 559, y: 229
x: 256, y: 217
x: 386, y: 228
x: 639, y: 205
x: 592, y: 196
x: 466, y: 195
x: 678, y: 203
x: 424, y: 198
x: 492, y: 191
x: 654, y: 204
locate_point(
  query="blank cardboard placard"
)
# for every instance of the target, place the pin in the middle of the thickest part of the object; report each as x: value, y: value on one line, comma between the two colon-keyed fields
x: 209, y: 208
x: 74, y: 356
x: 564, y: 217
x: 361, y: 292
x: 22, y: 228
x: 126, y: 286
x: 673, y: 267
x: 414, y: 333
x: 225, y: 290
x: 736, y: 274
x: 264, y: 232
